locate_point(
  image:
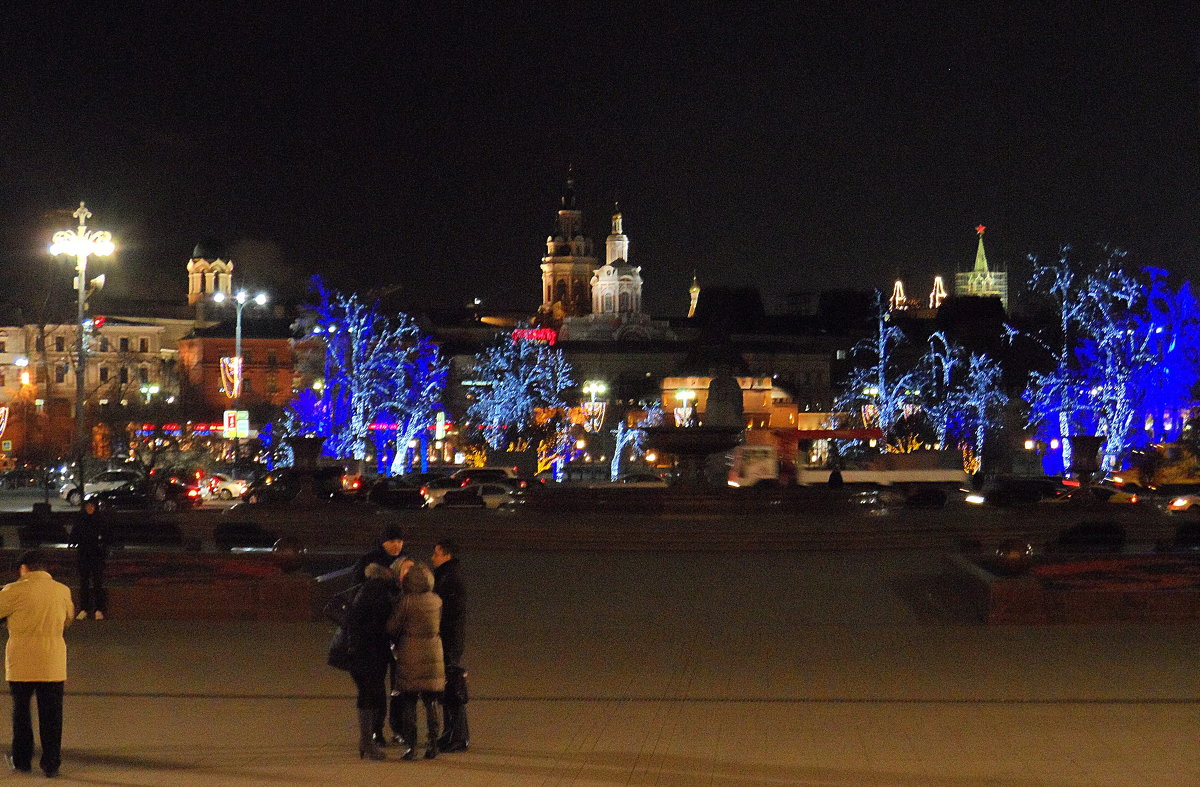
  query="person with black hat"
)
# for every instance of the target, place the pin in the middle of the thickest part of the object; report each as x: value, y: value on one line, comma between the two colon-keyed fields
x: 388, y: 549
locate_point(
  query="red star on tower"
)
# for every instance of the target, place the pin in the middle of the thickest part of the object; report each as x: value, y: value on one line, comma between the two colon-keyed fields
x: 980, y: 229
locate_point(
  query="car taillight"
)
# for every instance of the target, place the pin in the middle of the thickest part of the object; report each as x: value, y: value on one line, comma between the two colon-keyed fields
x: 424, y: 491
x: 193, y: 492
x: 1133, y: 499
x: 522, y: 484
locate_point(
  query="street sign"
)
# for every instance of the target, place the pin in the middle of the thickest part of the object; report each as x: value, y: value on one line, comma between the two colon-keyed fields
x: 231, y: 424
x: 243, y: 423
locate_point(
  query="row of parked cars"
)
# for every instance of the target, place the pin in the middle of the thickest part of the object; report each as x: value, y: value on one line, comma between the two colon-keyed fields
x: 172, y: 489
x: 1113, y: 490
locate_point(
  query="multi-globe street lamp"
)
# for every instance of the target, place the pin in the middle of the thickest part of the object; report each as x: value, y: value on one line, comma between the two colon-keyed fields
x: 81, y: 243
x: 233, y: 374
x: 593, y: 410
x: 684, y: 413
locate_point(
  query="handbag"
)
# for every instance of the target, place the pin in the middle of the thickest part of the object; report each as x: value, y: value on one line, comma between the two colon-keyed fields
x: 340, y: 654
x: 456, y: 686
x: 338, y: 607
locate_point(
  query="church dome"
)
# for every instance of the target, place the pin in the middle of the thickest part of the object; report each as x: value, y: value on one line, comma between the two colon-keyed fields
x: 209, y: 249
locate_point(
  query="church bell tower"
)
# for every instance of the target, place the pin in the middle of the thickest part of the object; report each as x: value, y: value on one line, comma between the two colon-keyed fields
x: 569, y: 262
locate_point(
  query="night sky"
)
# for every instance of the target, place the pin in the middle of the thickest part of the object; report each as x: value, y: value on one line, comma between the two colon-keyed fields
x: 784, y: 146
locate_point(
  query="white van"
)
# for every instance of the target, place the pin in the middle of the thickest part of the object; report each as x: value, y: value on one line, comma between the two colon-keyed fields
x: 754, y: 464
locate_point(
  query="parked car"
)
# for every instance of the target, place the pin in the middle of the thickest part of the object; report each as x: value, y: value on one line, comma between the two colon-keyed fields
x: 109, y: 479
x: 1184, y: 503
x: 479, y: 475
x: 1093, y: 494
x: 22, y: 478
x: 642, y: 480
x: 395, y: 493
x: 223, y: 487
x: 281, y: 486
x: 143, y: 496
x: 1020, y: 491
x: 471, y: 496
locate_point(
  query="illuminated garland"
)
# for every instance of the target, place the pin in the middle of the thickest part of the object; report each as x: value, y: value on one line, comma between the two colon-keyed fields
x: 3, y: 419
x: 231, y: 376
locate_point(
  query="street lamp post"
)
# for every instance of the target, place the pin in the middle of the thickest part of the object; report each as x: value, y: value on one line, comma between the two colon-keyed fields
x: 240, y: 300
x: 592, y: 409
x: 81, y: 243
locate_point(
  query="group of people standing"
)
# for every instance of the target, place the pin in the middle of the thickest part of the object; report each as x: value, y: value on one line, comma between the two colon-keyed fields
x: 405, y: 627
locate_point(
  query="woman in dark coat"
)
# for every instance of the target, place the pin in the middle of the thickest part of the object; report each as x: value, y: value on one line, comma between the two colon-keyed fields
x: 370, y: 648
x: 420, y: 668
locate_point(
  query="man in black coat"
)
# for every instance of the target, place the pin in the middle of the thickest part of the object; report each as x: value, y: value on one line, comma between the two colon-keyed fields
x: 91, y: 547
x: 447, y: 583
x: 388, y: 549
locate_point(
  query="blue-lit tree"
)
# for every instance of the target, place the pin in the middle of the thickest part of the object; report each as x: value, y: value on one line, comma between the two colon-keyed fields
x: 955, y: 395
x: 627, y: 436
x: 521, y: 398
x: 974, y: 403
x: 881, y: 389
x: 375, y: 371
x: 1126, y: 354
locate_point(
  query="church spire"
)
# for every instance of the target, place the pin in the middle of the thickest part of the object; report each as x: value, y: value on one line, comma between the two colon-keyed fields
x: 616, y: 219
x: 568, y: 197
x: 694, y: 293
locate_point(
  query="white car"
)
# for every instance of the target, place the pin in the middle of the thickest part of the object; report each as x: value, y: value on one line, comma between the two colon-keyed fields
x: 223, y: 487
x: 109, y: 479
x: 470, y: 496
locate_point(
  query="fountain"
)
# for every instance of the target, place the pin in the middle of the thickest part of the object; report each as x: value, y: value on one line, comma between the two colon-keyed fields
x: 721, y: 430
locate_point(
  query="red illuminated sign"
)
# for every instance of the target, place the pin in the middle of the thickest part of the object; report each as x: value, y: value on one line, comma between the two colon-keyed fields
x: 547, y: 335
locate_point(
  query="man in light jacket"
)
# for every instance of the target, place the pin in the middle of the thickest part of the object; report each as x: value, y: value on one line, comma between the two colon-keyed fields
x: 38, y: 610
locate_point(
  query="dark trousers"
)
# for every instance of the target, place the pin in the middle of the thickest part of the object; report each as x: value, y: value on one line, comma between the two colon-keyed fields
x: 371, y: 682
x: 50, y: 721
x: 408, y: 715
x: 92, y: 596
x: 457, y: 732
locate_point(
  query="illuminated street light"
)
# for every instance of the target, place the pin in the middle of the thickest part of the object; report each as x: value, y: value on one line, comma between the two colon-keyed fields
x: 81, y: 243
x: 593, y: 410
x: 684, y: 413
x: 231, y: 369
x: 149, y: 391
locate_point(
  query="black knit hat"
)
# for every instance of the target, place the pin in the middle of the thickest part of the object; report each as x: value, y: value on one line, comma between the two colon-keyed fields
x: 392, y: 532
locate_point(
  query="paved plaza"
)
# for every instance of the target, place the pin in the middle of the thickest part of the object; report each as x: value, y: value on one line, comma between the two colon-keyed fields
x: 672, y: 669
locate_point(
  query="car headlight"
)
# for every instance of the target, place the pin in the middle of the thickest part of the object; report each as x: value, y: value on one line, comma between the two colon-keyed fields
x: 976, y: 499
x: 1178, y: 503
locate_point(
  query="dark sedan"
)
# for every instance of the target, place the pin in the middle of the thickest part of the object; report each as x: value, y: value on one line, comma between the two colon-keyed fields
x: 144, y: 496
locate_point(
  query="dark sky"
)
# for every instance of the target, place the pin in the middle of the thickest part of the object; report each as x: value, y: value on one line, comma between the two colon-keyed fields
x: 785, y: 146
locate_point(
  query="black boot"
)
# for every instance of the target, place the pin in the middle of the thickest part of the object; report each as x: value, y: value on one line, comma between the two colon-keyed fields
x: 408, y: 726
x: 433, y: 714
x: 367, y: 749
x: 377, y: 729
x: 395, y: 711
x: 457, y: 736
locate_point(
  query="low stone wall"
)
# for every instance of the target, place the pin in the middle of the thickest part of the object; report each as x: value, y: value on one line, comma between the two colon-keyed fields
x: 284, y: 598
x: 1030, y: 600
x: 192, y: 586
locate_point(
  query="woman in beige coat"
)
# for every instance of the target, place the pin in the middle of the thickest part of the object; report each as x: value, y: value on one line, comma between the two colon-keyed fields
x: 420, y: 670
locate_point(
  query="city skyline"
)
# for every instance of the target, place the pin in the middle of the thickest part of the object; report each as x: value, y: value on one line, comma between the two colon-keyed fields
x: 771, y: 147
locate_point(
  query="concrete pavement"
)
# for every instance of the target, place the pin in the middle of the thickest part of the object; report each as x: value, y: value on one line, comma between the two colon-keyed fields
x: 668, y: 669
